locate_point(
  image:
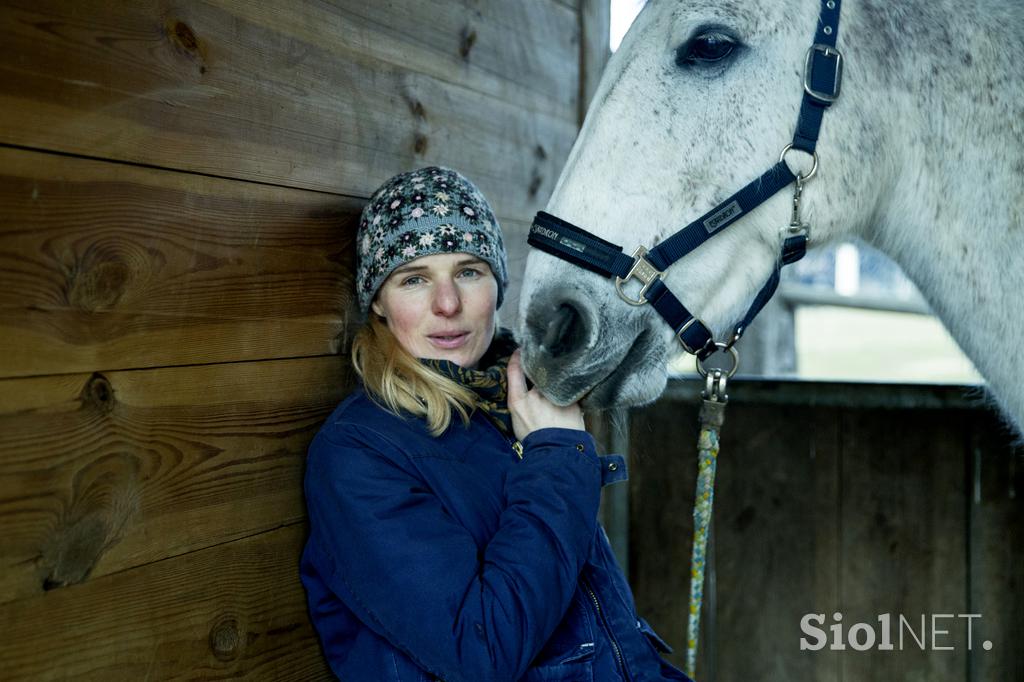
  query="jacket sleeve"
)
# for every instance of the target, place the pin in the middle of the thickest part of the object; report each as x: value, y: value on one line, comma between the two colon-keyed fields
x: 416, y: 576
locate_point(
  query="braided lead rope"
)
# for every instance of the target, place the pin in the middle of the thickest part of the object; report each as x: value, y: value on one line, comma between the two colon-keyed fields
x: 712, y: 415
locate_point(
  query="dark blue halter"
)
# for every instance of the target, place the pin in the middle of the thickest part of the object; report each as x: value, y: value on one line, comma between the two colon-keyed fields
x: 823, y: 70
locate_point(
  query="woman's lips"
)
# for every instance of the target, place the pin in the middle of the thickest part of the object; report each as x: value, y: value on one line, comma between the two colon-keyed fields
x: 448, y: 342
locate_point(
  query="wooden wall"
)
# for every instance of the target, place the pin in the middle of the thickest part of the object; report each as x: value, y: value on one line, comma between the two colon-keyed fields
x: 853, y: 498
x: 179, y: 190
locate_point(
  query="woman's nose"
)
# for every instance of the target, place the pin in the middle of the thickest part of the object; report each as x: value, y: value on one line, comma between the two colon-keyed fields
x: 446, y: 298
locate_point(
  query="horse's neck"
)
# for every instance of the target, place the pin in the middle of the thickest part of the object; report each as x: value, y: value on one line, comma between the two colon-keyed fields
x: 955, y: 218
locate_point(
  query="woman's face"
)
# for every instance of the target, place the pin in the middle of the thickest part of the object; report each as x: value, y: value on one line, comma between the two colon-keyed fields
x: 441, y: 307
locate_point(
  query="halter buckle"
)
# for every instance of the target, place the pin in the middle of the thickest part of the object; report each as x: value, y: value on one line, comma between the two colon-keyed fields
x: 687, y: 347
x: 837, y: 75
x: 643, y: 271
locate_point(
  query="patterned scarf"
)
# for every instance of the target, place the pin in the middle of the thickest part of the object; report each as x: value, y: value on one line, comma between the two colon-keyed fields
x: 490, y: 383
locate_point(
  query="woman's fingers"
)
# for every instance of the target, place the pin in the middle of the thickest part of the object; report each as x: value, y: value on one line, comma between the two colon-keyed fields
x: 531, y: 410
x: 516, y: 382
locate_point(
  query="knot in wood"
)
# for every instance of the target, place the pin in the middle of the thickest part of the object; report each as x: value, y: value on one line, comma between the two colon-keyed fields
x: 420, y: 144
x: 99, y: 392
x: 99, y: 282
x: 535, y: 183
x: 104, y: 499
x: 184, y: 40
x: 185, y: 37
x: 467, y: 42
x: 224, y: 639
x: 70, y: 555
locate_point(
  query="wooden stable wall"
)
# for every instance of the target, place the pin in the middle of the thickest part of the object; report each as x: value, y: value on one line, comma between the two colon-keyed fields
x: 855, y: 498
x: 179, y: 190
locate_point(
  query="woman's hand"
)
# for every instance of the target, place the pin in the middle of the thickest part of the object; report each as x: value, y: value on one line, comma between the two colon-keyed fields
x: 531, y: 410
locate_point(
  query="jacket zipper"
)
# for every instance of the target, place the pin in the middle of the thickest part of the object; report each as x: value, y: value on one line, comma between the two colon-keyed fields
x: 611, y: 636
x: 514, y: 443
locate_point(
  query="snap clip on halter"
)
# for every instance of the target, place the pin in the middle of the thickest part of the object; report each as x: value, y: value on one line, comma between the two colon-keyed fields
x: 716, y: 379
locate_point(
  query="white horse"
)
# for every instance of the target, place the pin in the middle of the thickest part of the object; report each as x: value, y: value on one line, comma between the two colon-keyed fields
x: 922, y: 156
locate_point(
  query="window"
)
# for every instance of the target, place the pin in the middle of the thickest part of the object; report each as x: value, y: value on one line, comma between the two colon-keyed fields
x: 857, y: 316
x: 623, y: 12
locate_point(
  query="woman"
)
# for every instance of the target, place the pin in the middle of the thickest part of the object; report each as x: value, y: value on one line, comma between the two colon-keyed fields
x: 453, y: 512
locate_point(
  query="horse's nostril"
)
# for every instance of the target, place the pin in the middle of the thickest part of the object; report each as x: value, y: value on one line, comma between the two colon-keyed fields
x: 565, y: 331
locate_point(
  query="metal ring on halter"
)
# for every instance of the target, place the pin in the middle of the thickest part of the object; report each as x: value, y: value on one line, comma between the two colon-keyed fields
x: 725, y: 348
x: 814, y: 166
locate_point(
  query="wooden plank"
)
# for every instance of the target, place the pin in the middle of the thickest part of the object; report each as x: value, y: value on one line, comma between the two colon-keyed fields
x: 94, y: 236
x: 235, y: 610
x: 106, y: 266
x: 800, y: 393
x: 996, y: 552
x: 35, y: 342
x: 110, y: 266
x: 595, y: 20
x: 775, y: 535
x: 208, y: 89
x: 778, y: 512
x: 661, y: 479
x: 103, y: 472
x: 520, y: 52
x: 660, y: 533
x: 514, y: 234
x: 904, y: 539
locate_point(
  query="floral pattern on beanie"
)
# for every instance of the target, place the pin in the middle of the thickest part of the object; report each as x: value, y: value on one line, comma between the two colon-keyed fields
x: 420, y: 213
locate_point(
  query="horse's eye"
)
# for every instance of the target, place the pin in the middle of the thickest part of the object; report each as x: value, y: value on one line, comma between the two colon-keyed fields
x: 708, y: 47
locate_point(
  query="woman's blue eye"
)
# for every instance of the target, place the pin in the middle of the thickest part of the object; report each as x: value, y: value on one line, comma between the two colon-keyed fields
x: 471, y: 271
x: 409, y: 280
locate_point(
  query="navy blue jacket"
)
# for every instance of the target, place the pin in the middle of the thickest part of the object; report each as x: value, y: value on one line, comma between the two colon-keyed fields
x: 453, y: 558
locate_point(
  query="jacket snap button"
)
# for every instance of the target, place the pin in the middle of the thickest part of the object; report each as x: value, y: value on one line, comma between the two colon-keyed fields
x: 579, y: 446
x: 613, y: 466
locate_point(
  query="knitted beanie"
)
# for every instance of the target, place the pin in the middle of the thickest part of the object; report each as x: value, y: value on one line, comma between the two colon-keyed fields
x: 423, y: 212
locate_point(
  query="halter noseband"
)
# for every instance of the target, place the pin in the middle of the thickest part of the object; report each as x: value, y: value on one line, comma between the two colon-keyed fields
x: 823, y: 71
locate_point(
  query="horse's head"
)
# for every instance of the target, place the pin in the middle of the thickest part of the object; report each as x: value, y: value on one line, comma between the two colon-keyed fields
x: 700, y: 99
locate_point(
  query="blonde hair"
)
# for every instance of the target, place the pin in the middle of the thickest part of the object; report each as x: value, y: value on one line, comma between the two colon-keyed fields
x: 397, y: 381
